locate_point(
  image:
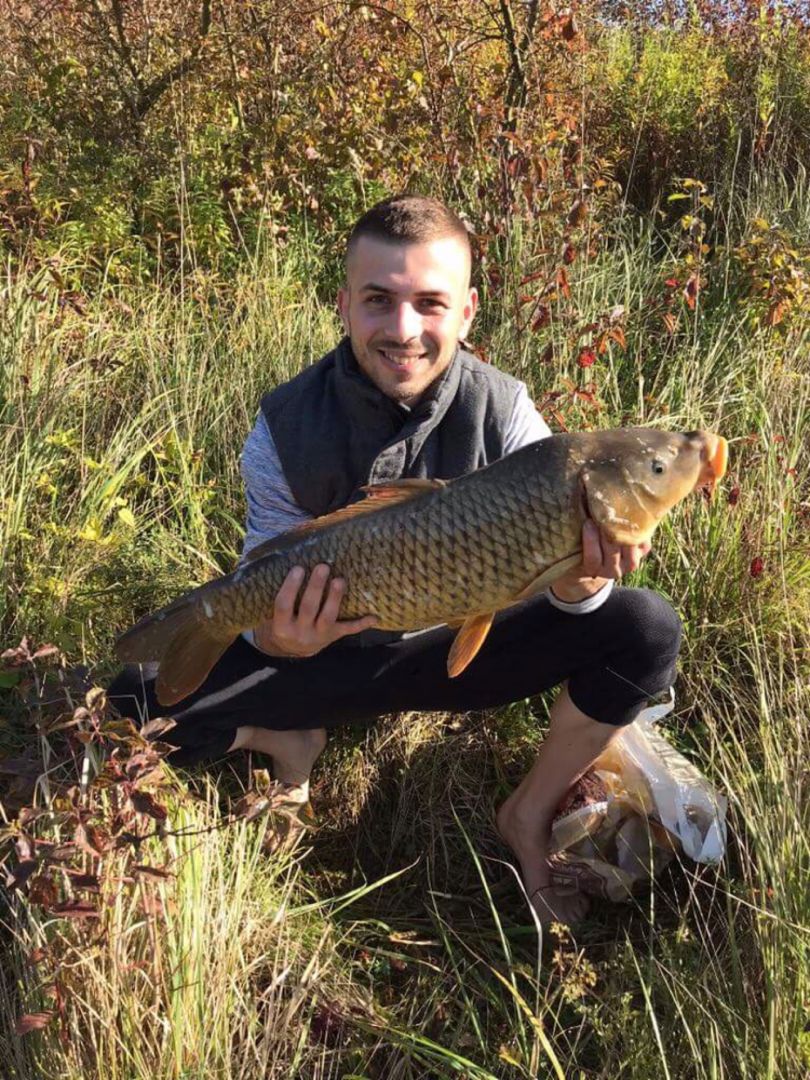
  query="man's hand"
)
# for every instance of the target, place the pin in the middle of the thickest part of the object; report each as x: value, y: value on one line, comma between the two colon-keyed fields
x: 316, y: 624
x: 601, y: 561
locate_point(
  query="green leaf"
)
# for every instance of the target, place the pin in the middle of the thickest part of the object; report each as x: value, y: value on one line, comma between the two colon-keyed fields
x: 9, y: 679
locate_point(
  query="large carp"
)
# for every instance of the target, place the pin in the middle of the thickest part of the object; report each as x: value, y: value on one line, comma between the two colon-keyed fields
x: 416, y: 553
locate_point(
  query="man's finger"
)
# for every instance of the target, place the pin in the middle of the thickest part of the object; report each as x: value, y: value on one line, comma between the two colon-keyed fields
x: 354, y: 626
x: 331, y: 606
x: 629, y: 560
x: 313, y: 594
x: 611, y: 560
x: 284, y: 603
x: 591, y: 550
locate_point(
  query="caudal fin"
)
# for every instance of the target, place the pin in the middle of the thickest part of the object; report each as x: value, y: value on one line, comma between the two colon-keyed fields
x: 186, y: 664
x: 181, y: 642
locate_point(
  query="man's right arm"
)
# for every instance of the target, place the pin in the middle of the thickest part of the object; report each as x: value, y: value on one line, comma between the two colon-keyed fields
x: 304, y: 618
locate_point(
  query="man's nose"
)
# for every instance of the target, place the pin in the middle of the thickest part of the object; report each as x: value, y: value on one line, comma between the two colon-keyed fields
x: 407, y: 323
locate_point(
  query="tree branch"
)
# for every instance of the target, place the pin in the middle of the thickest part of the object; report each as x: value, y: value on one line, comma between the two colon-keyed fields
x: 150, y: 94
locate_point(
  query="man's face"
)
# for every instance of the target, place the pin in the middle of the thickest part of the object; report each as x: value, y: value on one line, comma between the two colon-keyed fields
x: 404, y: 308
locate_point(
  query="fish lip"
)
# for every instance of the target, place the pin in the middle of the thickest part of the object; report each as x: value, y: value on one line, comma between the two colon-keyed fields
x: 714, y: 461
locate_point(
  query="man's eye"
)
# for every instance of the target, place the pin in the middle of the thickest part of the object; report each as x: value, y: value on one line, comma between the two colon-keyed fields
x: 433, y: 305
x: 377, y: 301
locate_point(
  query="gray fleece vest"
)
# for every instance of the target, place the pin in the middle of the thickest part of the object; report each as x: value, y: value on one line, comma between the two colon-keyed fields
x: 335, y: 431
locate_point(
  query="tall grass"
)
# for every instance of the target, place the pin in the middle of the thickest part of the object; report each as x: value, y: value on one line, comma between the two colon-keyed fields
x: 397, y: 944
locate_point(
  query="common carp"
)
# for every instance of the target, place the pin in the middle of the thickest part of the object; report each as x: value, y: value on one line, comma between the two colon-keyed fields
x: 416, y: 553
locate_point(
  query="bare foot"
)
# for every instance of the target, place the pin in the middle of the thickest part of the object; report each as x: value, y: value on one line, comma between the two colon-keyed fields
x: 290, y: 817
x: 529, y: 841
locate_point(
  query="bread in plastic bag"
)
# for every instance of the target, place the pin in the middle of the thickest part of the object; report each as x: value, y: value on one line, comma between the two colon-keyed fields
x: 639, y: 804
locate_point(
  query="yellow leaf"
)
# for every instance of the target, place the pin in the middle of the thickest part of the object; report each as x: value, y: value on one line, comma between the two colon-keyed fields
x: 128, y: 518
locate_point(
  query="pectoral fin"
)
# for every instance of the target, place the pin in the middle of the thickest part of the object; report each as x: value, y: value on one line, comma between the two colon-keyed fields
x: 468, y: 641
x: 550, y: 574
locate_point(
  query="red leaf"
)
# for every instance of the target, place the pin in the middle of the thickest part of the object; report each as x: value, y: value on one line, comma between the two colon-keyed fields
x: 530, y: 277
x: 586, y: 358
x: 577, y: 213
x: 42, y: 891
x: 548, y: 354
x: 90, y: 839
x: 24, y: 869
x: 145, y: 803
x: 157, y: 727
x: 757, y: 567
x: 83, y: 881
x: 569, y: 254
x: 691, y: 290
x: 155, y: 872
x: 570, y: 28
x: 45, y: 652
x: 734, y: 495
x: 142, y: 764
x: 672, y: 283
x: 33, y: 1022
x: 75, y: 909
x: 562, y: 282
x: 543, y: 318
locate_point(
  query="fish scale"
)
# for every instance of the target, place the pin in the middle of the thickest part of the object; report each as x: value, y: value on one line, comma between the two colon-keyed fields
x: 417, y: 553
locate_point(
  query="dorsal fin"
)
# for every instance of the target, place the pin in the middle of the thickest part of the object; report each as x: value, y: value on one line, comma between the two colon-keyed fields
x: 401, y: 490
x: 377, y: 496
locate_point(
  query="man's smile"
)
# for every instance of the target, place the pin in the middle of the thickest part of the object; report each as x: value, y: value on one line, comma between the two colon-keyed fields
x: 401, y: 361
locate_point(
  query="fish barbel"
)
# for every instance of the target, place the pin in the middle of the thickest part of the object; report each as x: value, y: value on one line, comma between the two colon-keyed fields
x: 416, y: 553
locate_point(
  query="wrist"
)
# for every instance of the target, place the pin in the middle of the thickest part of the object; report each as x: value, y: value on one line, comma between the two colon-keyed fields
x: 262, y: 638
x: 584, y: 605
x: 572, y: 591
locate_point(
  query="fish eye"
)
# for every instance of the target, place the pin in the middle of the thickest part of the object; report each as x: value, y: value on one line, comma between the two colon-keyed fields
x: 658, y: 467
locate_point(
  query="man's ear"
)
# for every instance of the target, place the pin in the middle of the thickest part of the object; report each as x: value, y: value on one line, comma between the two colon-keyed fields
x: 470, y: 308
x: 343, y: 306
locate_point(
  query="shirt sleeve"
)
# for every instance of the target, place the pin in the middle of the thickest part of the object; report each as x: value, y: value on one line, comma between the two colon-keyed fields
x: 271, y: 506
x: 526, y: 425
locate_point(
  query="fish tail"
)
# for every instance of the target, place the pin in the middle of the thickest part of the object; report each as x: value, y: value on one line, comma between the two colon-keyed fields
x: 183, y: 644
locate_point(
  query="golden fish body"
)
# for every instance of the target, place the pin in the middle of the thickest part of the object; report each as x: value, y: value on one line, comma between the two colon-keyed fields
x: 416, y: 553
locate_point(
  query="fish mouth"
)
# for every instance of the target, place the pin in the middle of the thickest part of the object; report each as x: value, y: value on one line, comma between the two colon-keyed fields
x: 714, y: 457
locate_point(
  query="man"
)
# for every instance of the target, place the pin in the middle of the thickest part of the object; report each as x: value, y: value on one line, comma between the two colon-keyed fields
x: 399, y: 398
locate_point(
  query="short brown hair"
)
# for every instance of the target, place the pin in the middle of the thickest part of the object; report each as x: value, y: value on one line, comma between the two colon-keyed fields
x: 409, y: 219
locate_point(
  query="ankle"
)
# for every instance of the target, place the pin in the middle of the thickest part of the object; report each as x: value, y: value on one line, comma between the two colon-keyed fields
x: 523, y: 815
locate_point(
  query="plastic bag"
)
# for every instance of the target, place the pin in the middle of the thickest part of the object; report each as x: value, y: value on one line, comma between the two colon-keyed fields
x: 639, y: 804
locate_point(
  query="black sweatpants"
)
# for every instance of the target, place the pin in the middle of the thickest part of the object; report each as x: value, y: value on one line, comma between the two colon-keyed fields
x: 614, y: 658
